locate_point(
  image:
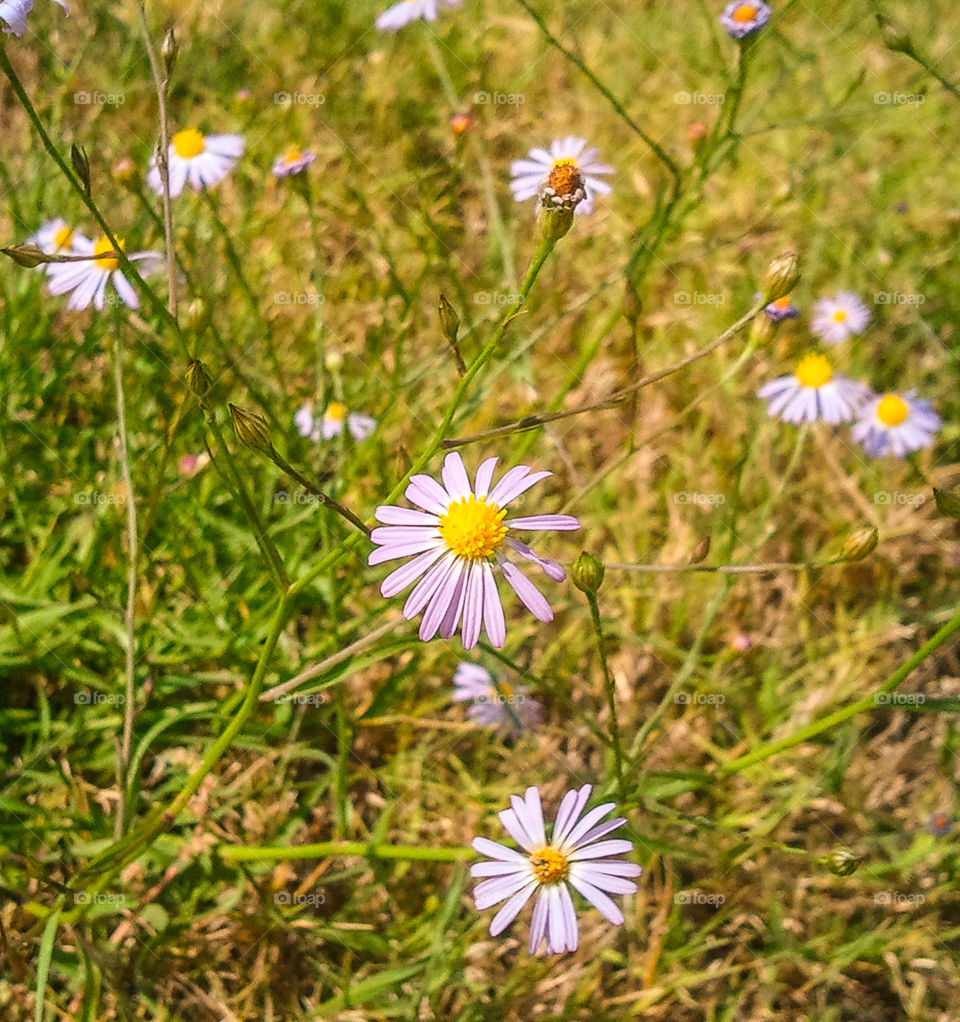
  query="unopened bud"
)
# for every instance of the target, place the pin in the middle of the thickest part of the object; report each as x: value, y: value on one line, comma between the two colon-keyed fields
x: 251, y: 429
x: 782, y: 276
x: 461, y: 123
x: 697, y: 131
x: 763, y: 328
x: 198, y: 380
x: 948, y: 501
x: 169, y: 50
x: 449, y: 320
x: 701, y: 551
x: 587, y: 573
x: 25, y: 255
x: 894, y: 37
x: 859, y: 544
x: 196, y: 315
x: 555, y: 222
x: 81, y: 166
x: 841, y: 862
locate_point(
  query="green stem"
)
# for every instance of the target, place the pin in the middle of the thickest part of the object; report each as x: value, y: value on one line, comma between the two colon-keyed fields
x: 611, y: 692
x: 328, y: 849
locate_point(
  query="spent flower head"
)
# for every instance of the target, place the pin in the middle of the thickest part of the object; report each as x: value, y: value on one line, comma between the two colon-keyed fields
x: 575, y: 856
x: 456, y: 542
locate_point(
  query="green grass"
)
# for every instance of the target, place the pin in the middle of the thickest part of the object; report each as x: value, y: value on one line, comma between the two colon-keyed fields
x: 738, y: 915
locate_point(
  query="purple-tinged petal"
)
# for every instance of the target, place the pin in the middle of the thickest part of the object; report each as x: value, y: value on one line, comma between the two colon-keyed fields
x: 455, y: 477
x: 598, y: 899
x: 422, y: 592
x: 497, y: 889
x: 428, y: 494
x: 514, y: 483
x: 570, y: 808
x: 575, y: 837
x: 557, y: 523
x: 388, y: 514
x: 493, y: 619
x: 538, y: 925
x: 406, y: 575
x: 392, y: 551
x: 473, y: 607
x: 446, y: 593
x: 484, y: 476
x: 600, y: 850
x: 529, y: 594
x: 550, y: 568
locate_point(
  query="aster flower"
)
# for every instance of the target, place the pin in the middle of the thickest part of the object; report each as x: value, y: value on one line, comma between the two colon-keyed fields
x: 835, y: 319
x: 473, y: 683
x: 394, y: 18
x: 783, y: 308
x: 13, y: 14
x: 292, y: 162
x: 335, y: 418
x: 573, y: 856
x: 896, y: 424
x: 741, y: 20
x: 200, y: 160
x: 56, y: 237
x: 813, y: 391
x: 939, y: 824
x: 566, y: 177
x: 86, y: 281
x: 456, y: 541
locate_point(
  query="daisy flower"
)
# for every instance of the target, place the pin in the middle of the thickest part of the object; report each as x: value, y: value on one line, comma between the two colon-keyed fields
x: 292, y: 162
x: 56, y: 237
x: 201, y: 160
x: 456, y: 541
x: 573, y: 856
x: 896, y: 424
x: 335, y: 418
x: 813, y: 391
x: 473, y: 683
x: 835, y: 319
x: 783, y: 308
x: 394, y: 18
x: 86, y: 281
x: 13, y: 14
x: 741, y: 20
x: 565, y: 177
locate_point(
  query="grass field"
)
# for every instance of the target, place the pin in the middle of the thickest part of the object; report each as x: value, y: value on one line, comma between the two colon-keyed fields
x: 235, y: 782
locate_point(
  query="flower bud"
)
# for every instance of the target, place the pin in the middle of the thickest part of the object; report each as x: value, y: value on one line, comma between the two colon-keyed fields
x: 701, y: 551
x: 859, y: 544
x: 168, y: 51
x: 697, y: 131
x: 461, y: 123
x: 196, y: 315
x: 198, y: 379
x: 781, y: 277
x: 25, y: 255
x: 81, y: 166
x: 587, y: 573
x: 948, y: 501
x: 251, y: 429
x: 841, y: 862
x: 449, y: 320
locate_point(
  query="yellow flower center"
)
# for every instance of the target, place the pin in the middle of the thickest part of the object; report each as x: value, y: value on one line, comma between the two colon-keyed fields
x: 840, y: 316
x: 336, y: 412
x: 188, y: 143
x: 472, y: 528
x: 814, y: 371
x: 783, y: 303
x: 63, y: 237
x: 565, y: 179
x: 892, y: 410
x: 103, y: 245
x: 549, y: 865
x: 292, y: 155
x: 505, y: 690
x: 745, y: 13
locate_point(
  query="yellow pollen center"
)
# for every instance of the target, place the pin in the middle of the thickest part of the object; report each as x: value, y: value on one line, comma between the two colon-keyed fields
x: 336, y: 412
x: 292, y: 155
x: 783, y: 303
x: 188, y: 143
x: 472, y: 528
x: 63, y: 237
x: 549, y: 865
x: 840, y: 316
x: 814, y: 371
x: 892, y: 410
x: 745, y: 13
x: 103, y: 245
x: 506, y: 690
x: 565, y: 179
